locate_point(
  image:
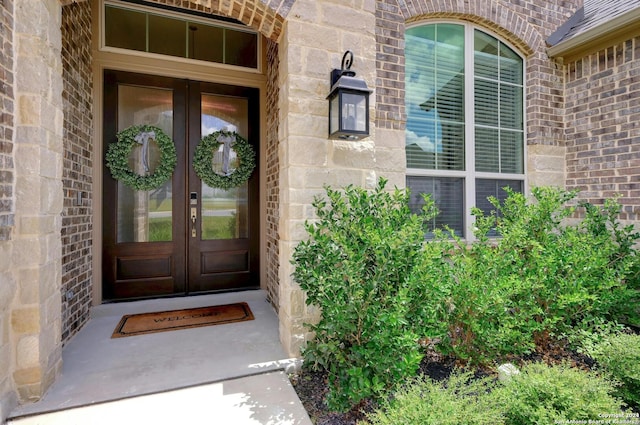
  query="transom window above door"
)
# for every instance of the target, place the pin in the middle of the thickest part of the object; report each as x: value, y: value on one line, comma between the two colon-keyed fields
x: 157, y: 31
x: 465, y: 135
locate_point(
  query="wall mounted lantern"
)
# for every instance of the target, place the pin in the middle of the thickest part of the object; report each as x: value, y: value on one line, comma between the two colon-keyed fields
x: 348, y: 103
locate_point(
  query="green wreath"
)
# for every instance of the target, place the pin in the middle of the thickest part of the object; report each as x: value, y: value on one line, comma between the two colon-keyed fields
x: 202, y: 161
x: 118, y: 157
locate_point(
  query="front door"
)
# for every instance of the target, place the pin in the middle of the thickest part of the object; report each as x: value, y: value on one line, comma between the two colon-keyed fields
x: 181, y: 237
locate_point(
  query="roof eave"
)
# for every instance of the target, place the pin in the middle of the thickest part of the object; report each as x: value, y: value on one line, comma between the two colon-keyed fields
x: 593, y: 35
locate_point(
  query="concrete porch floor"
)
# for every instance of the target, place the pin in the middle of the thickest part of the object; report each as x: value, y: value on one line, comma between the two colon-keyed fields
x: 232, y: 373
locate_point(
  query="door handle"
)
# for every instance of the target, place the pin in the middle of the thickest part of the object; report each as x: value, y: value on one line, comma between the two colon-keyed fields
x: 193, y: 202
x: 194, y: 219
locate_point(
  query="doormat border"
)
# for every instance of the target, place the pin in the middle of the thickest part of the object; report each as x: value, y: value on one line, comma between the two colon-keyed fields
x: 119, y: 333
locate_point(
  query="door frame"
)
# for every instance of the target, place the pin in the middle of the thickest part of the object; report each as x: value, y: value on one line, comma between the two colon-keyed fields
x: 233, y: 263
x: 174, y: 69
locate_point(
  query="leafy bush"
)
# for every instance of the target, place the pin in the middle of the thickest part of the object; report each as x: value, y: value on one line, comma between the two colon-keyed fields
x: 494, y: 298
x: 459, y: 401
x: 469, y: 302
x: 619, y: 357
x: 354, y: 267
x: 576, y: 273
x: 543, y: 395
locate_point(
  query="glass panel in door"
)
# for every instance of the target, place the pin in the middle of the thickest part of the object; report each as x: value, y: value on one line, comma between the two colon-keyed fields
x: 224, y: 212
x: 144, y: 216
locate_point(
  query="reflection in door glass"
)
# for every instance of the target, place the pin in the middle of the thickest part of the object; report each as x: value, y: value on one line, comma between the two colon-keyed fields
x: 144, y: 215
x: 224, y: 212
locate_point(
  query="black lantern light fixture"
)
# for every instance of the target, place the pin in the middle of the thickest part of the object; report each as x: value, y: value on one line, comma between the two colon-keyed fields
x: 348, y: 103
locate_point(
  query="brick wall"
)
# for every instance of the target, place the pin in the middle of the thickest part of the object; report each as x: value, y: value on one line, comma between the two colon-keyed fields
x: 78, y: 166
x: 272, y: 176
x: 603, y: 126
x: 6, y: 121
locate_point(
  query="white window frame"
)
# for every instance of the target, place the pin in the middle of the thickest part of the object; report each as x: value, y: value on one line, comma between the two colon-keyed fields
x: 469, y: 174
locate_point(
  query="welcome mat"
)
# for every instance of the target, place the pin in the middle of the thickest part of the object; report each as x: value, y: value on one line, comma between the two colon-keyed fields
x: 146, y: 323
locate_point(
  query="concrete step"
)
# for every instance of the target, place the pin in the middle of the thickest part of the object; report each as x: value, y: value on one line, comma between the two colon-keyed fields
x: 265, y: 399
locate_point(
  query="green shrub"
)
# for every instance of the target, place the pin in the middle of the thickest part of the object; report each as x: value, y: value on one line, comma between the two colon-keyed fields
x: 466, y: 298
x: 619, y: 358
x: 494, y: 298
x: 576, y: 273
x: 544, y: 395
x: 354, y: 267
x: 459, y: 401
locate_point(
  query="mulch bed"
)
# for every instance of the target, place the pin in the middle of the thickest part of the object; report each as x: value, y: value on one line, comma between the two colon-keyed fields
x: 312, y: 387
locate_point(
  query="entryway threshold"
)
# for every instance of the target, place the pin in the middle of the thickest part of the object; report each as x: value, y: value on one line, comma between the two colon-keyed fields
x: 235, y: 366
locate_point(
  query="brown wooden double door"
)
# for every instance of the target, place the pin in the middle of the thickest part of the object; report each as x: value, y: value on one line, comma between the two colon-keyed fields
x: 183, y: 237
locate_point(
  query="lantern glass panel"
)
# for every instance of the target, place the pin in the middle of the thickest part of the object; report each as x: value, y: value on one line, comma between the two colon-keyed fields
x: 334, y: 121
x: 354, y: 110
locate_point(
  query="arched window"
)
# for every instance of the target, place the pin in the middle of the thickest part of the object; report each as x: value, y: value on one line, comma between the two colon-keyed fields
x: 465, y: 120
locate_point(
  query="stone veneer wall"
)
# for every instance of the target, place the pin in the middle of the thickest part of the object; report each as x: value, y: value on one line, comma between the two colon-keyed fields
x: 272, y: 171
x: 77, y: 168
x: 525, y: 24
x: 30, y: 262
x: 315, y: 36
x: 8, y: 284
x: 603, y: 126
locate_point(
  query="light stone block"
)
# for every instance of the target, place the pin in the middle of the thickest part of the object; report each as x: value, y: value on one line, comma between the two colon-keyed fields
x: 307, y: 125
x: 308, y: 106
x: 304, y: 196
x: 304, y: 11
x: 387, y: 138
x: 30, y: 135
x: 308, y: 151
x: 546, y: 164
x: 371, y: 180
x: 25, y: 320
x: 50, y: 164
x: 29, y: 107
x: 294, y: 230
x: 305, y: 88
x: 36, y: 225
x: 7, y: 290
x: 27, y: 252
x: 391, y: 159
x: 28, y: 190
x: 29, y: 393
x: 28, y: 356
x: 33, y: 78
x: 345, y: 177
x: 5, y: 357
x: 398, y: 180
x: 5, y: 332
x: 349, y: 19
x: 317, y: 177
x: 51, y: 197
x: 546, y: 179
x: 316, y: 64
x: 312, y: 35
x: 353, y: 154
x: 29, y: 292
x: 5, y: 257
x: 53, y: 313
